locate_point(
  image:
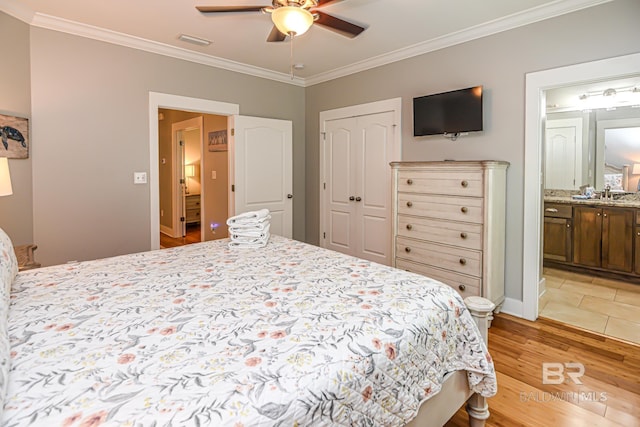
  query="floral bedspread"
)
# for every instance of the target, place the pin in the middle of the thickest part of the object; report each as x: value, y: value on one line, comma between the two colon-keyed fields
x: 286, y: 335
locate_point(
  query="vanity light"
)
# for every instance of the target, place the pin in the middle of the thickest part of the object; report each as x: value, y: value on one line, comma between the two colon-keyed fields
x: 610, y: 98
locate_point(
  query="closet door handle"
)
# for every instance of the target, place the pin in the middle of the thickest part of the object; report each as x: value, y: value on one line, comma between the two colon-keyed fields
x: 352, y: 198
x: 358, y: 199
x: 289, y: 196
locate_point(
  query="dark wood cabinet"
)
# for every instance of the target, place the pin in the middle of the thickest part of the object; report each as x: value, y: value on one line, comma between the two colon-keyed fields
x: 587, y: 238
x: 617, y: 239
x: 558, y: 232
x: 603, y: 238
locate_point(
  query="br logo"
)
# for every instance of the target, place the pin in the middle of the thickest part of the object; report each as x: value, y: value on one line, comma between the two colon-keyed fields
x: 554, y: 373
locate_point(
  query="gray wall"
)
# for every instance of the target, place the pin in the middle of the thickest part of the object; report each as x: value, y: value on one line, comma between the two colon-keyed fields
x: 15, y: 210
x: 89, y: 122
x: 500, y: 63
x: 90, y: 125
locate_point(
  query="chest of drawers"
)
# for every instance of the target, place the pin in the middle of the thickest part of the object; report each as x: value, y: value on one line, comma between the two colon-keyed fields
x: 449, y: 223
x: 192, y: 208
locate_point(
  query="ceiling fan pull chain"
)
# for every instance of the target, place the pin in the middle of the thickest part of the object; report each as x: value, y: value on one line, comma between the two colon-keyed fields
x: 291, y: 36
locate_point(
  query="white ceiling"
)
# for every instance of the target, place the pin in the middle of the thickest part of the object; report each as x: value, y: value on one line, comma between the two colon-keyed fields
x: 396, y: 29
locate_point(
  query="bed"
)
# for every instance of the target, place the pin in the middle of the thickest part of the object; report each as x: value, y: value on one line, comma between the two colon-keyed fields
x: 286, y: 335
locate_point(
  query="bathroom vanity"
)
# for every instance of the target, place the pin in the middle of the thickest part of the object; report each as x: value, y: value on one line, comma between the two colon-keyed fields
x: 600, y: 237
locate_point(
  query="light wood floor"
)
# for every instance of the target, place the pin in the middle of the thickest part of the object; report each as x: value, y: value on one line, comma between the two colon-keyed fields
x: 193, y: 236
x: 611, y: 382
x: 610, y: 307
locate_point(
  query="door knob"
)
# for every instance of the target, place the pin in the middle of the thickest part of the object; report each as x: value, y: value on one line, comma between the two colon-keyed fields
x: 289, y: 196
x: 358, y: 199
x: 352, y: 198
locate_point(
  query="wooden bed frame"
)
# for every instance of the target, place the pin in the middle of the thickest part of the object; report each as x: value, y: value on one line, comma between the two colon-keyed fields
x: 436, y: 411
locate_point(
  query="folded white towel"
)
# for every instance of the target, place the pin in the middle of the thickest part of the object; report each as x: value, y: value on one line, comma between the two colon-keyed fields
x: 258, y: 226
x: 251, y: 216
x: 249, y: 242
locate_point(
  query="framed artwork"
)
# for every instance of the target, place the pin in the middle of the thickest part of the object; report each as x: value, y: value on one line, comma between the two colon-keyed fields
x: 14, y: 132
x: 218, y: 140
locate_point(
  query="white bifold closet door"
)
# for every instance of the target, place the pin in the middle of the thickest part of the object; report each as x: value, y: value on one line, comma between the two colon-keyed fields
x: 356, y: 187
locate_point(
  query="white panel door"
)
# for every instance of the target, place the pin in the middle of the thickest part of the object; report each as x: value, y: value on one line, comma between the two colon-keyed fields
x: 374, y: 151
x: 340, y: 187
x: 357, y: 198
x: 563, y: 155
x: 262, y: 172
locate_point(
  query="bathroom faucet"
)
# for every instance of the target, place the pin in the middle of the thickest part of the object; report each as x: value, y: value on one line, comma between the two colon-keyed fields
x: 607, y: 193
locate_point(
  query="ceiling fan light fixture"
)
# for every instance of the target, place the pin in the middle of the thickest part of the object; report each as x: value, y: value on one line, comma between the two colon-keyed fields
x: 292, y: 20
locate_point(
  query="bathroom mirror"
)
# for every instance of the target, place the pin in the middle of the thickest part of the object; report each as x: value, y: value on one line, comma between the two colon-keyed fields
x: 592, y: 136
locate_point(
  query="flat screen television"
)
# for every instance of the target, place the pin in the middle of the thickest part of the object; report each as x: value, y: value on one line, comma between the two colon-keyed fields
x: 447, y: 113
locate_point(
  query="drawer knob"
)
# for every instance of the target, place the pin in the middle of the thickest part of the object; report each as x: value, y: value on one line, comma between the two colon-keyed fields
x: 462, y: 287
x: 409, y: 181
x: 407, y: 249
x: 463, y: 261
x: 463, y: 235
x: 409, y: 204
x: 409, y: 226
x: 464, y: 209
x: 464, y: 183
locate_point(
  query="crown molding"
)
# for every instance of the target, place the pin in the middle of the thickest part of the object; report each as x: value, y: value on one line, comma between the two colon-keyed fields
x: 537, y: 14
x: 540, y: 13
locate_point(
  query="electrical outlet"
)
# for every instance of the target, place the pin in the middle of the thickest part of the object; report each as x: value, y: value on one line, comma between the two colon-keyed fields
x: 139, y: 177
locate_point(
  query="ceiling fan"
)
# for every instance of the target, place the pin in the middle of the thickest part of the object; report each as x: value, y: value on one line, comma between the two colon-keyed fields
x: 293, y: 17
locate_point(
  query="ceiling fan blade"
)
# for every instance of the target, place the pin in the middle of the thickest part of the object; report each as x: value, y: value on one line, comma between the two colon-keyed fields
x: 322, y: 3
x: 275, y: 35
x: 219, y: 9
x: 338, y: 25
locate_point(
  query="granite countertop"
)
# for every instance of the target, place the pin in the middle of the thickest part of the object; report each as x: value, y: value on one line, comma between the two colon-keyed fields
x: 631, y: 200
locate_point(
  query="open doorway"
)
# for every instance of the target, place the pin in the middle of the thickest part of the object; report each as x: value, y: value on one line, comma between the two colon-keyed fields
x: 193, y: 178
x: 536, y: 86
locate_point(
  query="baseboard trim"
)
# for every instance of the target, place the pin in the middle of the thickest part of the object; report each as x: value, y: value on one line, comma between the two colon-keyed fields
x: 513, y: 307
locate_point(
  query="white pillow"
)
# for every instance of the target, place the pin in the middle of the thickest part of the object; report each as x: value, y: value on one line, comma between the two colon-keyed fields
x: 8, y: 265
x: 8, y: 271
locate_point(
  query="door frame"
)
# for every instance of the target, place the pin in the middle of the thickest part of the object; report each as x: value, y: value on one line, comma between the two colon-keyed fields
x: 394, y: 105
x: 174, y: 102
x: 535, y: 105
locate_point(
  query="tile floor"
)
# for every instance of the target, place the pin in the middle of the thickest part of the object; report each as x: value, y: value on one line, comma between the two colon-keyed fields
x: 610, y: 307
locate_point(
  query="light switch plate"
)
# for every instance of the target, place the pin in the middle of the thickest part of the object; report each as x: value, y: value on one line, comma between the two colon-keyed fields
x: 213, y: 174
x: 139, y: 177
